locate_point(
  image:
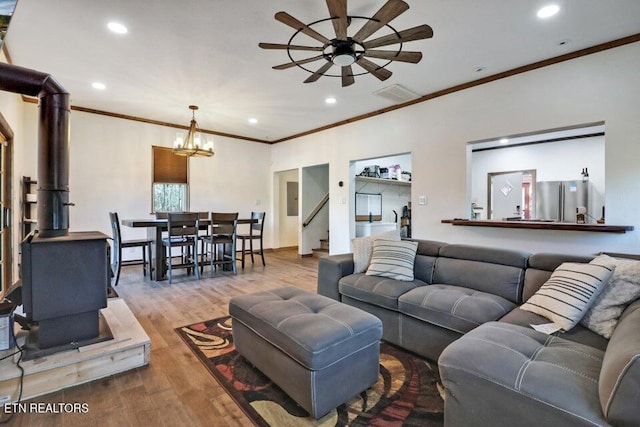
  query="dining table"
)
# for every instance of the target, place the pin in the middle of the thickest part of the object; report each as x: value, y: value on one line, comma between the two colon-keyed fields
x: 155, y: 227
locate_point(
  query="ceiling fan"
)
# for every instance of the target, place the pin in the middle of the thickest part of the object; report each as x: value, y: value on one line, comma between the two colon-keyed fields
x: 343, y: 51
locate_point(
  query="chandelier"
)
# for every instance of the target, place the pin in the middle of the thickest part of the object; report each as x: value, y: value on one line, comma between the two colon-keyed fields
x: 194, y: 144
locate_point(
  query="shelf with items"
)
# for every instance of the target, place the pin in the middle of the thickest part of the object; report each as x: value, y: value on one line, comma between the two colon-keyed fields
x: 28, y: 203
x: 363, y: 182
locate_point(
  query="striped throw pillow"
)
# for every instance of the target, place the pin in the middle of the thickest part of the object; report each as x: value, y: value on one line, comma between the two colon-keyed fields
x: 570, y: 291
x: 393, y: 259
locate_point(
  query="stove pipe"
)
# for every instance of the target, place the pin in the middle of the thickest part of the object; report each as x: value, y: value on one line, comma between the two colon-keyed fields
x: 53, y: 144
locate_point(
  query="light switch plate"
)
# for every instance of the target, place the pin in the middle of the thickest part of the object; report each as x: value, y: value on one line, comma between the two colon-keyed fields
x: 422, y: 200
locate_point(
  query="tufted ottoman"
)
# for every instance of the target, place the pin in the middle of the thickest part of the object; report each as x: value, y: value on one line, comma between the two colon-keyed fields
x: 319, y: 351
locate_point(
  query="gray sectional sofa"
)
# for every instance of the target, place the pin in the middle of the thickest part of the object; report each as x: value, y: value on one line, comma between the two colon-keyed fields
x: 462, y: 309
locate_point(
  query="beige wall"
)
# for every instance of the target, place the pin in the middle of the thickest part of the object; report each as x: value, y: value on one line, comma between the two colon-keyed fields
x: 600, y: 87
x: 110, y: 170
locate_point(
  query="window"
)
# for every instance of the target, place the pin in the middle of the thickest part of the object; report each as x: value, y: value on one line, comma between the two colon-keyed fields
x: 170, y: 192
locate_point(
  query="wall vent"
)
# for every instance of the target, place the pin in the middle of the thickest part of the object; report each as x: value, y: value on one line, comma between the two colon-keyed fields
x: 396, y: 93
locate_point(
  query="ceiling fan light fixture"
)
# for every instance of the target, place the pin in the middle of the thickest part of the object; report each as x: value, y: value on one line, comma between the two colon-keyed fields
x: 343, y: 59
x: 345, y: 50
x: 343, y: 54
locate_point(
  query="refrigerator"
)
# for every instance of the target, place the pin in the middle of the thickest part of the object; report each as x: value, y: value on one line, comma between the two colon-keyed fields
x: 558, y: 200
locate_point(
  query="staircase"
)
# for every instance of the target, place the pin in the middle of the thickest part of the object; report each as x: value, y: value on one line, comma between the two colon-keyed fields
x: 323, y: 250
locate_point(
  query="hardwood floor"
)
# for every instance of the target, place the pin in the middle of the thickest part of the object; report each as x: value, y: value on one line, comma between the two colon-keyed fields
x: 175, y: 389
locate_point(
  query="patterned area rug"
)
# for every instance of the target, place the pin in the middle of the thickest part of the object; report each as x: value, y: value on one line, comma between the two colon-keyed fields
x: 408, y: 391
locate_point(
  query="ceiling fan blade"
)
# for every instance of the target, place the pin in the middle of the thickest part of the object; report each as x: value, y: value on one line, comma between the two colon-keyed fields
x: 392, y: 55
x: 289, y: 20
x: 315, y: 76
x: 338, y: 13
x: 347, y: 76
x: 376, y: 70
x: 416, y: 33
x: 391, y: 10
x: 293, y: 64
x: 289, y: 46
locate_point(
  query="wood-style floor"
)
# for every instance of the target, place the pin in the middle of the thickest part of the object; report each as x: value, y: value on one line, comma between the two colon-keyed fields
x: 175, y: 389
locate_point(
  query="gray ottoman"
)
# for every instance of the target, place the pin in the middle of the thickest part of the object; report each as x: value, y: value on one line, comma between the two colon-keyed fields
x: 319, y: 351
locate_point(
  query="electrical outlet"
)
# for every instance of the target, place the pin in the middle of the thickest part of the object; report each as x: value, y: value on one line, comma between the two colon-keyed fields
x: 258, y: 201
x: 343, y: 201
x: 422, y: 200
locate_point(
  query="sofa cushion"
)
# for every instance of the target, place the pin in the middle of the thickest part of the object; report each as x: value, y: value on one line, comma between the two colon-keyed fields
x: 622, y: 289
x: 569, y: 292
x: 485, y: 254
x: 502, y: 280
x: 376, y: 290
x: 453, y: 307
x: 578, y: 333
x: 539, y: 269
x: 426, y: 259
x: 502, y: 373
x: 363, y: 248
x: 620, y: 375
x: 393, y: 259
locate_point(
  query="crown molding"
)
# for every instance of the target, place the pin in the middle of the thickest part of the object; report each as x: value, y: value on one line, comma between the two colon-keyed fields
x: 503, y: 75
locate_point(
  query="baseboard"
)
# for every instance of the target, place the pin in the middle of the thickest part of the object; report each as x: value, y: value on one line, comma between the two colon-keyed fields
x: 283, y: 248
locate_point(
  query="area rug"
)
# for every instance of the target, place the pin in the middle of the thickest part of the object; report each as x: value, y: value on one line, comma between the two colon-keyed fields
x: 408, y: 391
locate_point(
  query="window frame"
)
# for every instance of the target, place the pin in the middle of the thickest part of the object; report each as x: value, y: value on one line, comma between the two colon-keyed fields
x: 165, y: 176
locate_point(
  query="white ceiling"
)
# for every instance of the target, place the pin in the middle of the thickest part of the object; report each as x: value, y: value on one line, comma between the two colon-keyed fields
x: 205, y: 52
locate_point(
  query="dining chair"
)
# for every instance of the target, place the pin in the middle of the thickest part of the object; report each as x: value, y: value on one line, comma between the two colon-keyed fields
x: 220, y: 244
x: 182, y: 232
x: 255, y: 233
x: 118, y: 244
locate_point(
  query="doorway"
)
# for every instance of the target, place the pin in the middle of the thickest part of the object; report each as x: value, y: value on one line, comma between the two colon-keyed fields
x: 6, y: 229
x: 511, y: 194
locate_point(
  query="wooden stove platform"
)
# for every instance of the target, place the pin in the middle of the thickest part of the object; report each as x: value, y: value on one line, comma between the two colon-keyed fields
x: 130, y: 348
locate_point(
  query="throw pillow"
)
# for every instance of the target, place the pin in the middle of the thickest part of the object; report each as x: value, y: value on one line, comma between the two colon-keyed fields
x: 363, y: 247
x: 623, y: 288
x: 393, y: 259
x: 569, y: 292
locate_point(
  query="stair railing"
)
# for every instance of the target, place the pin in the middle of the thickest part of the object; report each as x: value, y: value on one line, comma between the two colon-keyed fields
x: 315, y: 210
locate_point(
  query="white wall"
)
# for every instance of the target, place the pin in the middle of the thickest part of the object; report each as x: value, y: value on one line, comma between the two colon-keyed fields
x: 110, y: 170
x: 556, y: 161
x: 600, y: 87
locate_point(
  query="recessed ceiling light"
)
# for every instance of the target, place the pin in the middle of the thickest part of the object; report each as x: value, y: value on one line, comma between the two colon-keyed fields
x: 117, y: 27
x: 548, y: 11
x: 330, y: 100
x: 504, y: 140
x: 98, y: 85
x: 253, y: 121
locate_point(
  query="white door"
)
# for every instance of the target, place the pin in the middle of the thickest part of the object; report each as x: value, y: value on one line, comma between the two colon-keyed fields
x: 506, y: 195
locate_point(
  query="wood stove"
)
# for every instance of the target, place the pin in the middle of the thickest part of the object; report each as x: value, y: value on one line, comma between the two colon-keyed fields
x: 65, y: 275
x: 64, y: 285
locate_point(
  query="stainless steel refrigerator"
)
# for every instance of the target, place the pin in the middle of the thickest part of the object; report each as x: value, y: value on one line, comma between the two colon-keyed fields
x: 558, y: 200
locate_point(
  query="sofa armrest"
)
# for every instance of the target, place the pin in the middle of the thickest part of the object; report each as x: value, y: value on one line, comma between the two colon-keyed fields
x: 620, y: 374
x: 330, y: 270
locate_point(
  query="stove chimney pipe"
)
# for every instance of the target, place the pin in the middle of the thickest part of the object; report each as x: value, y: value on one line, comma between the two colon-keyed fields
x: 53, y: 144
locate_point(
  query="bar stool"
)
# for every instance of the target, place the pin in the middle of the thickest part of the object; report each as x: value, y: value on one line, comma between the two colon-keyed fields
x: 221, y: 240
x: 255, y: 233
x: 182, y: 232
x: 118, y: 244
